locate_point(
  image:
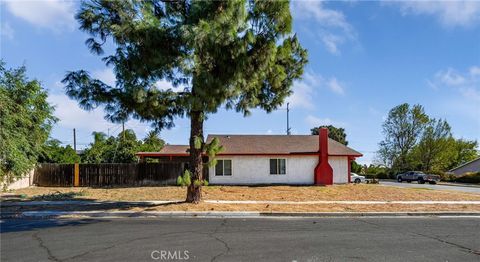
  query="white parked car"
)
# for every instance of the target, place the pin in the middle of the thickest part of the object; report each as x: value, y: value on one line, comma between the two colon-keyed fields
x: 356, y: 178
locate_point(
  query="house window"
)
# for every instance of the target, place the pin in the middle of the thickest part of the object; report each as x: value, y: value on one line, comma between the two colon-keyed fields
x: 223, y: 168
x: 278, y: 166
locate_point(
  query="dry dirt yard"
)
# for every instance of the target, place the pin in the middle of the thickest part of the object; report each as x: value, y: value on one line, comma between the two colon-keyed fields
x: 350, y: 192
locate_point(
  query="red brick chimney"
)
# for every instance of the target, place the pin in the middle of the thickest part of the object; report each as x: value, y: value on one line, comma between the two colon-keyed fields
x: 323, y: 171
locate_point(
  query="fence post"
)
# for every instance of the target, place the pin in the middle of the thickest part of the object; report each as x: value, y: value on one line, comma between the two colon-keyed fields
x: 76, y: 180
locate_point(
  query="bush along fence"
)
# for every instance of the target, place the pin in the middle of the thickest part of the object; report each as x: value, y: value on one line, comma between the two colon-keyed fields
x: 98, y: 175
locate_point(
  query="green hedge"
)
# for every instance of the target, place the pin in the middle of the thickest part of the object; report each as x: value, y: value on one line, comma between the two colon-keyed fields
x: 469, y: 178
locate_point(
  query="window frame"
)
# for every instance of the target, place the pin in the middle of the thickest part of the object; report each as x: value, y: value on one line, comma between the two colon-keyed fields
x: 277, y: 167
x: 223, y: 168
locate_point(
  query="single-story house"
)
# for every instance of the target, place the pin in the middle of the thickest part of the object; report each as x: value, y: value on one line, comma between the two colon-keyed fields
x: 472, y: 166
x: 272, y: 159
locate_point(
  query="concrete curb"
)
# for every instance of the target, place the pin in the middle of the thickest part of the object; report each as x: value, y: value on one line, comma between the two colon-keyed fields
x: 183, y: 214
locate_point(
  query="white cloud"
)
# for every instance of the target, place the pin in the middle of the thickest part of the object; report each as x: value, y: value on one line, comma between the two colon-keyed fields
x: 302, y: 95
x: 467, y: 83
x: 474, y: 71
x: 331, y: 25
x: 449, y: 13
x: 165, y: 85
x: 105, y: 75
x: 71, y: 116
x: 304, y: 90
x: 316, y: 121
x: 450, y: 77
x: 335, y: 86
x: 6, y: 31
x: 56, y: 15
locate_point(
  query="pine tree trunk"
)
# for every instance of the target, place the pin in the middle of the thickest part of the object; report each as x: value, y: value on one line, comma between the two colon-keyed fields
x: 194, y: 192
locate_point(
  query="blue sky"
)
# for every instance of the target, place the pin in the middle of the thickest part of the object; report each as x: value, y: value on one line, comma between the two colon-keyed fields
x: 365, y: 58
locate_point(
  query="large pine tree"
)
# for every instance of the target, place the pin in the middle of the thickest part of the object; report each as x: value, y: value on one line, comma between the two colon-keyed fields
x: 240, y: 54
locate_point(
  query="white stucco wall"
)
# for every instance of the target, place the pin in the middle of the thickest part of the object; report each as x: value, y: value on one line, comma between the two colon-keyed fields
x: 256, y: 170
x: 339, y: 165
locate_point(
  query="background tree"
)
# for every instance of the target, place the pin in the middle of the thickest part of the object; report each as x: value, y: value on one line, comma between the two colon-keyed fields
x: 240, y: 54
x: 464, y: 151
x: 54, y: 152
x: 25, y: 122
x: 152, y: 143
x: 121, y: 148
x: 95, y: 153
x: 433, y: 151
x: 414, y: 141
x: 402, y: 130
x: 337, y: 134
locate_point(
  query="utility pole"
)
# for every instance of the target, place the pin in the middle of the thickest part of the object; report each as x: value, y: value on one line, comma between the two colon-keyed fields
x: 288, y: 123
x: 123, y: 130
x: 75, y: 140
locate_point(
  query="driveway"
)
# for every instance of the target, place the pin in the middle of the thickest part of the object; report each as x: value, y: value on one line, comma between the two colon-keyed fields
x: 466, y: 189
x: 262, y: 239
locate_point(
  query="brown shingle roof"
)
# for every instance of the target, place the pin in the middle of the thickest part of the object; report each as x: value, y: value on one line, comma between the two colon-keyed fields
x: 264, y: 144
x: 278, y: 144
x: 168, y: 150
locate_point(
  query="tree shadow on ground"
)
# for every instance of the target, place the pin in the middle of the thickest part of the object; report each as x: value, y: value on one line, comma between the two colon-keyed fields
x: 24, y: 224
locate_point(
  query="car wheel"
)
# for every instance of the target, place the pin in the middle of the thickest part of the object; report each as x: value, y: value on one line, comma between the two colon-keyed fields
x: 399, y: 179
x: 421, y: 181
x: 357, y: 181
x: 432, y: 182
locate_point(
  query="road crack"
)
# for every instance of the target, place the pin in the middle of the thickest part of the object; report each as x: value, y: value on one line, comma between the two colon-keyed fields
x: 464, y: 248
x: 469, y: 250
x: 51, y: 257
x: 225, y: 244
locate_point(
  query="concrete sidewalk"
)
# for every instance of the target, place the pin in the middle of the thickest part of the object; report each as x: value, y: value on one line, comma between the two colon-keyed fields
x: 246, y: 202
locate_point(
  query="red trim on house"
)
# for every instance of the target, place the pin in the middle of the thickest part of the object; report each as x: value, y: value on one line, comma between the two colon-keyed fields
x: 323, y: 171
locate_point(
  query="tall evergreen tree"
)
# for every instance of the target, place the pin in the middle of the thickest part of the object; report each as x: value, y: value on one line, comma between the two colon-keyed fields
x: 239, y: 53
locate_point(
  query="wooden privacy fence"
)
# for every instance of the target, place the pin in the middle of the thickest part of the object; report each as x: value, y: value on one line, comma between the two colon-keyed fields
x: 108, y: 174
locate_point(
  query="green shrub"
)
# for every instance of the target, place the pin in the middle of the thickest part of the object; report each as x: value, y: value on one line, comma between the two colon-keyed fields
x: 184, y: 180
x: 179, y: 181
x: 382, y: 175
x: 444, y: 176
x: 469, y: 178
x: 187, y: 178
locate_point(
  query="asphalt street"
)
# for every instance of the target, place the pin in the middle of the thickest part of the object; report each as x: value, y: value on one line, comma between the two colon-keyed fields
x: 253, y: 239
x: 435, y: 187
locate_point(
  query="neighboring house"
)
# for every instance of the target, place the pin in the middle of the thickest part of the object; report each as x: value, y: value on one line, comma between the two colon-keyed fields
x: 472, y: 166
x: 272, y: 159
